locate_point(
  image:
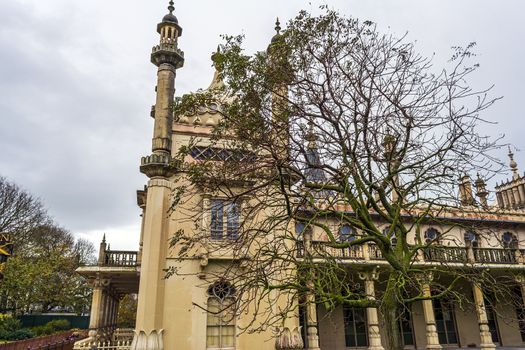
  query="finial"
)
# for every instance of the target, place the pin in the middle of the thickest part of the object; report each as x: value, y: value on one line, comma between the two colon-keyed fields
x: 513, y: 165
x: 104, y: 238
x: 278, y: 26
x: 311, y: 137
x: 171, y: 8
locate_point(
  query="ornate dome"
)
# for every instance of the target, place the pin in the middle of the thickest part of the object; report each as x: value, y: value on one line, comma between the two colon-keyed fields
x: 170, y: 18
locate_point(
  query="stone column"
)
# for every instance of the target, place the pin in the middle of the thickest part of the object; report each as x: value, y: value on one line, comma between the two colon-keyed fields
x: 111, y: 313
x: 484, y: 332
x: 520, y: 279
x: 311, y: 324
x: 505, y: 198
x: 517, y: 197
x: 374, y: 337
x: 115, y: 315
x: 97, y: 306
x: 430, y: 319
x: 150, y: 308
x: 311, y: 307
x: 521, y: 190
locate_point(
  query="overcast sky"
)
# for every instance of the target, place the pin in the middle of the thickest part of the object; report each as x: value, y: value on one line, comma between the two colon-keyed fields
x: 76, y: 85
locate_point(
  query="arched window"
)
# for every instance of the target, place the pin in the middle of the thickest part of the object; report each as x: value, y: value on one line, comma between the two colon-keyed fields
x: 509, y: 240
x: 393, y: 238
x: 346, y: 233
x: 220, y: 327
x: 431, y: 235
x: 471, y: 239
x: 300, y: 227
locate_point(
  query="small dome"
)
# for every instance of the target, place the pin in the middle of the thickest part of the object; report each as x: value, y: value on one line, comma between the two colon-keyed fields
x: 170, y: 18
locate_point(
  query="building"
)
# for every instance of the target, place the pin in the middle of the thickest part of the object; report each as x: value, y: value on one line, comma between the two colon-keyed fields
x: 186, y: 310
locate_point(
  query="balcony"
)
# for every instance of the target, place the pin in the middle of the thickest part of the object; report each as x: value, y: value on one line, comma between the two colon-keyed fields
x: 440, y: 254
x: 120, y: 258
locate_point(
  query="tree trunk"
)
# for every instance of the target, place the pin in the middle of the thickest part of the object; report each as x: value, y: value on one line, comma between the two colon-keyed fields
x: 390, y: 309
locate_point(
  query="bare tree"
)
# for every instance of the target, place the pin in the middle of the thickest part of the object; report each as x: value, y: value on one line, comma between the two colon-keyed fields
x: 337, y: 125
x: 20, y: 212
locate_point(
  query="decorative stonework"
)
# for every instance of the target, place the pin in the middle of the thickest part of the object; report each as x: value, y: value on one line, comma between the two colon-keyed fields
x: 374, y: 335
x: 158, y: 165
x: 289, y: 339
x: 151, y: 341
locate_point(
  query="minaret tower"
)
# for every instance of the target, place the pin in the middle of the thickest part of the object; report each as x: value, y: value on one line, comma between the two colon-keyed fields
x: 168, y: 58
x: 159, y: 167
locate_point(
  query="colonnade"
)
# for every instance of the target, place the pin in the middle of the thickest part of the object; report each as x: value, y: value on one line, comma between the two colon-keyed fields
x: 432, y: 340
x: 104, y: 309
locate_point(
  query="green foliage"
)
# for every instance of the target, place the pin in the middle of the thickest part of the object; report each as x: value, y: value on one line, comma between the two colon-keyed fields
x: 19, y: 334
x: 127, y: 311
x: 10, y: 329
x: 9, y: 324
x: 52, y: 327
x: 41, y: 277
x: 59, y: 325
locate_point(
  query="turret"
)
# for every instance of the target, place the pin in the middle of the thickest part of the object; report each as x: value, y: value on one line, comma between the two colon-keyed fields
x: 481, y: 191
x: 102, y: 251
x: 465, y: 190
x: 280, y: 74
x: 313, y: 171
x: 168, y: 58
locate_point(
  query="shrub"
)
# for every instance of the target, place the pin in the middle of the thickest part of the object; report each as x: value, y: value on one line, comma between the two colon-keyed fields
x: 18, y: 334
x: 9, y: 324
x: 43, y: 330
x: 59, y: 325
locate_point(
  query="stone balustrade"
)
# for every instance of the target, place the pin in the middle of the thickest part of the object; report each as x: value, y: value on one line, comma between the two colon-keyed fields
x: 120, y: 258
x: 445, y: 254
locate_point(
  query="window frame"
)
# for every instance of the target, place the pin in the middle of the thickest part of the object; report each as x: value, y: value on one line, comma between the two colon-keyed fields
x: 347, y: 237
x: 223, y: 225
x: 224, y: 299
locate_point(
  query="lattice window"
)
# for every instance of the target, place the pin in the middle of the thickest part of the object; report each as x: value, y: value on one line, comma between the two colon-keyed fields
x: 221, y: 154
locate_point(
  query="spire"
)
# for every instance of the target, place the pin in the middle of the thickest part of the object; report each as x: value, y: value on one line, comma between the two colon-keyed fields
x: 278, y: 26
x: 313, y: 171
x: 104, y: 238
x: 481, y: 190
x: 513, y: 165
x: 171, y: 8
x: 277, y: 35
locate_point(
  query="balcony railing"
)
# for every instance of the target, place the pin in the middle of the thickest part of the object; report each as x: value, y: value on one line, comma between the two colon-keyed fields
x: 462, y: 255
x: 322, y: 249
x: 503, y: 256
x: 120, y: 258
x: 445, y: 254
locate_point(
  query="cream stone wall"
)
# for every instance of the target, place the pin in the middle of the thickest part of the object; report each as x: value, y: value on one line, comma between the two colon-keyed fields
x: 331, y: 328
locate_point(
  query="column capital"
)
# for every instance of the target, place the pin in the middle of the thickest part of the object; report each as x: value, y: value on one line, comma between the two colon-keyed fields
x: 425, y: 277
x: 520, y: 278
x: 100, y: 282
x: 370, y: 275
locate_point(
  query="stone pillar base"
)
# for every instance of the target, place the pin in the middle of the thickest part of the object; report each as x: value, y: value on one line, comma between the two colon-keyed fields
x: 432, y: 338
x: 486, y: 338
x: 374, y: 337
x: 151, y: 341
